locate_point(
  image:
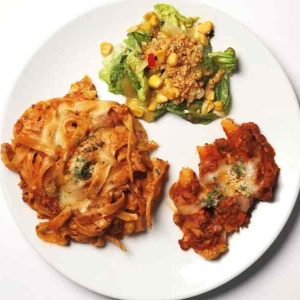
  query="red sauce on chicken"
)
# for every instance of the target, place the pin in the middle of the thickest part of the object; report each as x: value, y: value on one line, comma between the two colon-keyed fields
x: 233, y: 174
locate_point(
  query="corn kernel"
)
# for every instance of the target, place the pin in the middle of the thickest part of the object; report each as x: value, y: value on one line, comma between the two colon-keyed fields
x: 194, y: 33
x: 137, y: 111
x: 146, y: 26
x: 209, y: 94
x: 132, y: 102
x: 154, y: 20
x: 148, y: 15
x: 203, y: 38
x: 160, y: 98
x: 206, y: 27
x: 161, y: 56
x: 106, y: 49
x: 153, y: 105
x: 135, y: 107
x: 155, y: 82
x: 167, y: 82
x: 172, y: 59
x: 176, y: 92
x: 207, y: 106
x: 171, y: 93
x: 219, y: 105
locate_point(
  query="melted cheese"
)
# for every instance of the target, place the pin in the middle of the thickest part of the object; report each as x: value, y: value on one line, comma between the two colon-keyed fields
x: 53, y: 133
x: 70, y: 194
x: 229, y: 184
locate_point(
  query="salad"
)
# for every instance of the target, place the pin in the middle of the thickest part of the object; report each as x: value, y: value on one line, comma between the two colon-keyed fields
x: 166, y: 64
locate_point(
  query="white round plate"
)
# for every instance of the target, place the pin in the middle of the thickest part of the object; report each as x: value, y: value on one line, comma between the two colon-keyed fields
x: 155, y: 267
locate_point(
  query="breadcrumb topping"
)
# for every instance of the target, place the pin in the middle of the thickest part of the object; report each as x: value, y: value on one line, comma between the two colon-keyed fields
x: 185, y: 75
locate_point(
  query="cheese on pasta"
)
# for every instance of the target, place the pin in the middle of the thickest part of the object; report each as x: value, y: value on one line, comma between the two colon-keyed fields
x: 85, y: 166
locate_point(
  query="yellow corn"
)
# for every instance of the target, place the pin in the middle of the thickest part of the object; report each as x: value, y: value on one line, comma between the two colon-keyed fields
x: 146, y: 26
x: 171, y: 93
x: 194, y: 33
x: 155, y: 82
x: 148, y: 15
x: 160, y: 98
x: 153, y: 105
x: 154, y: 20
x: 203, y: 38
x: 137, y: 111
x: 207, y: 106
x: 219, y: 105
x: 210, y: 94
x: 176, y: 92
x: 161, y: 56
x: 206, y: 27
x: 135, y: 107
x: 172, y: 59
x: 106, y: 48
x: 167, y: 82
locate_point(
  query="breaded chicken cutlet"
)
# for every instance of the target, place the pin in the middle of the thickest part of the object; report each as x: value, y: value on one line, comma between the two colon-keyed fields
x: 233, y: 174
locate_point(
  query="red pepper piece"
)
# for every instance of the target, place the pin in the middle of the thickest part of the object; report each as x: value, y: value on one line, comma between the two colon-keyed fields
x: 151, y: 60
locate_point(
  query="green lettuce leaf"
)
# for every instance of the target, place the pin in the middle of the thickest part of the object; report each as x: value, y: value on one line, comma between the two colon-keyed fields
x: 121, y: 63
x: 222, y: 93
x: 135, y: 71
x: 134, y: 41
x: 170, y: 15
x: 191, y: 113
x: 207, y: 62
x: 113, y: 70
x: 225, y: 60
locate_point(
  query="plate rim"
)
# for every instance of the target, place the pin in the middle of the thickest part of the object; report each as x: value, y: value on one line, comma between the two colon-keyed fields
x: 193, y: 292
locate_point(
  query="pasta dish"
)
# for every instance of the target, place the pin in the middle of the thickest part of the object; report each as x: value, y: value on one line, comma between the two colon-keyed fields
x: 85, y: 167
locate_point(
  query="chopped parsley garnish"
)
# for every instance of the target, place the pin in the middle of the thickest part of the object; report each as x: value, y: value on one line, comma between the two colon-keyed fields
x: 213, y: 198
x: 238, y: 169
x: 82, y: 168
x: 242, y: 188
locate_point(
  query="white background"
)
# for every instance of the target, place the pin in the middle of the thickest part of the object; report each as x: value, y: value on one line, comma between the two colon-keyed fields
x: 24, y: 26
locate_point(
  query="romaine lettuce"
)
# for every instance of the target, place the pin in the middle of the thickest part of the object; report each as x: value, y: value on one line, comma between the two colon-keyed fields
x: 126, y: 67
x: 191, y: 113
x: 124, y: 62
x: 222, y: 93
x: 134, y: 41
x: 170, y: 15
x: 135, y: 71
x: 225, y: 60
x: 113, y: 70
